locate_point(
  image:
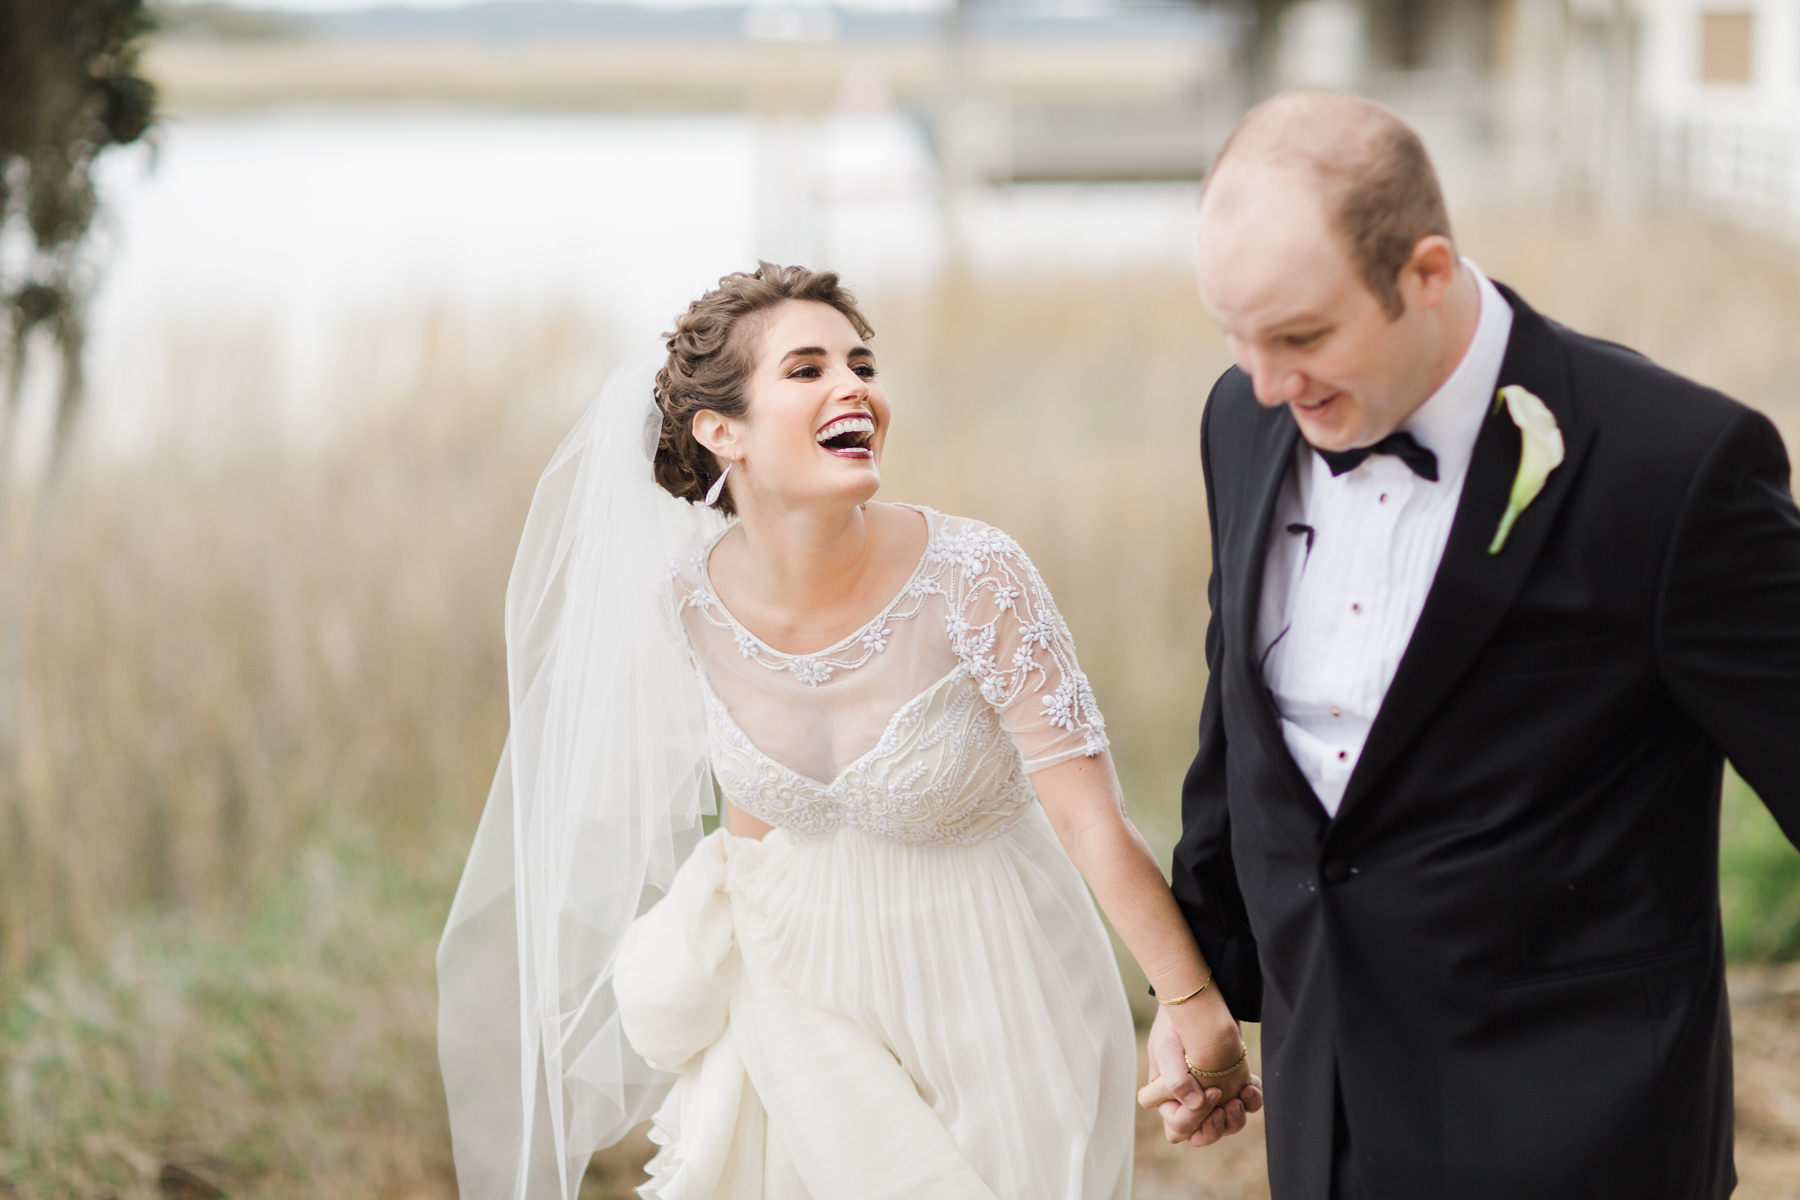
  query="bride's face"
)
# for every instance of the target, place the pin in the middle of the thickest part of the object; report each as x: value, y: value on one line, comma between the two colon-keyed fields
x: 816, y: 420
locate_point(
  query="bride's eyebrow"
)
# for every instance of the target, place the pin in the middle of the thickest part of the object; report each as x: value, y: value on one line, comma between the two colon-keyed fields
x: 821, y: 352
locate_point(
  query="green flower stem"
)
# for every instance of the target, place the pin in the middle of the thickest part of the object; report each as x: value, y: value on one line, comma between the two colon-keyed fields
x: 1506, y: 524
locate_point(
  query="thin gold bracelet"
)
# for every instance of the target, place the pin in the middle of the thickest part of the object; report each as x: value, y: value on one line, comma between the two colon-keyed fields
x: 1190, y: 995
x: 1197, y: 1073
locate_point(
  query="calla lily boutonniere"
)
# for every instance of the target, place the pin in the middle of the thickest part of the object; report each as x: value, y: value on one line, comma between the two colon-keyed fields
x: 1541, y: 452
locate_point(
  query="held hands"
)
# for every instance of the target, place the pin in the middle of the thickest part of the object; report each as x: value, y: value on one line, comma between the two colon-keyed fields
x: 1192, y: 1113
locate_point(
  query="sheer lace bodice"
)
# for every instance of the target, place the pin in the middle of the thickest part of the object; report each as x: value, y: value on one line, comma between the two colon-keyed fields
x: 919, y: 727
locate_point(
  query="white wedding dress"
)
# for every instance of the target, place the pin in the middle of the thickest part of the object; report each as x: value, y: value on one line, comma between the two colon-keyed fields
x: 904, y: 990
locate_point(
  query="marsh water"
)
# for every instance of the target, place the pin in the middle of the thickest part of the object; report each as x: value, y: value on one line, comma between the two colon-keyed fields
x: 295, y: 227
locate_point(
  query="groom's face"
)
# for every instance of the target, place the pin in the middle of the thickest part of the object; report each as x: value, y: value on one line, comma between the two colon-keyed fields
x: 1298, y: 318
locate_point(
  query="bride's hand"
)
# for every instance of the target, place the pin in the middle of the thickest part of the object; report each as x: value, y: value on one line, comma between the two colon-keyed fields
x: 1194, y: 1111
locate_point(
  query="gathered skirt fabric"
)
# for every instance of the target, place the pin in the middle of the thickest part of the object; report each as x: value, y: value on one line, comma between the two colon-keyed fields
x: 852, y: 1018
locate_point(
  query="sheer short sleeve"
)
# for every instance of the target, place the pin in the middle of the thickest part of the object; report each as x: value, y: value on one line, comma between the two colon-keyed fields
x: 1005, y: 628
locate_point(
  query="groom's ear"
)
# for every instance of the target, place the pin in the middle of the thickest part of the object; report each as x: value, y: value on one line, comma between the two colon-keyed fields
x: 1429, y: 272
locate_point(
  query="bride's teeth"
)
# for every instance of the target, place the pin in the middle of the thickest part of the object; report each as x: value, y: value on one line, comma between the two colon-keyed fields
x: 844, y: 425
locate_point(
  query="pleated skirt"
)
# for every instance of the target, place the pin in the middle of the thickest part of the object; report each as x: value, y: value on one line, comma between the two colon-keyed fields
x: 853, y: 1018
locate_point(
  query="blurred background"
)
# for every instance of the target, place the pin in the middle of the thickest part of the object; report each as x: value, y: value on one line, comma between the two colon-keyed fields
x: 293, y: 333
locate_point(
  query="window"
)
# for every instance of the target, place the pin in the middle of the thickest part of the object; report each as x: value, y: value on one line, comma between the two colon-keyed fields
x: 1725, y: 47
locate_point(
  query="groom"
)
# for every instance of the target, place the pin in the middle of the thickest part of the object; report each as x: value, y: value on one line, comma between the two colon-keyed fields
x: 1452, y: 832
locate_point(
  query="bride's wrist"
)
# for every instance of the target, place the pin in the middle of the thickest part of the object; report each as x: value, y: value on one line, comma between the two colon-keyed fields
x: 1209, y: 1032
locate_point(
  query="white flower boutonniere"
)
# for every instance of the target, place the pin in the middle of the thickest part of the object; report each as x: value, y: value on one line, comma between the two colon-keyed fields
x: 1541, y: 452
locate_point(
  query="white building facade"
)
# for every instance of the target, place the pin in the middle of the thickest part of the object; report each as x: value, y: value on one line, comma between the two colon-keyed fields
x: 1719, y: 93
x: 1618, y: 104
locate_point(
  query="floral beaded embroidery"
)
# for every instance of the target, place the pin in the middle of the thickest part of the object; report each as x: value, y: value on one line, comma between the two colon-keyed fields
x: 891, y: 792
x: 944, y: 770
x: 810, y: 669
x: 994, y: 572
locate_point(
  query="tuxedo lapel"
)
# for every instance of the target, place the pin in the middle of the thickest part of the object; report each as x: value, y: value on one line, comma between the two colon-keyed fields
x: 1271, y: 458
x: 1474, y: 589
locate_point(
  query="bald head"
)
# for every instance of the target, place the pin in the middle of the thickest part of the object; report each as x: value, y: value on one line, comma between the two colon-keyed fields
x: 1364, y: 168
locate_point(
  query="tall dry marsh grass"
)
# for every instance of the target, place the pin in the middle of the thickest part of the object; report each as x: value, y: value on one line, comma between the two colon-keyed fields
x: 234, y: 651
x: 265, y: 681
x: 264, y: 691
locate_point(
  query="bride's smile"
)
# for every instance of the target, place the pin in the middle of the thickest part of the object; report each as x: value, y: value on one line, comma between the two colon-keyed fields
x: 847, y: 437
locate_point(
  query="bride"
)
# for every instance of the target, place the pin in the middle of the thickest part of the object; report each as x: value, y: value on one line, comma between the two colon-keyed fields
x: 883, y: 977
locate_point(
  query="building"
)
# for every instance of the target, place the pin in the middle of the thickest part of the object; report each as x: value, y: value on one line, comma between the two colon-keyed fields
x: 1719, y: 95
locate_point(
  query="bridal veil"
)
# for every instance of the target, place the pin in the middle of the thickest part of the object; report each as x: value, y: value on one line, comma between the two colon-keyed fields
x: 597, y: 800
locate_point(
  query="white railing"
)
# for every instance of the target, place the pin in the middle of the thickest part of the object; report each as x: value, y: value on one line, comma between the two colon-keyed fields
x: 1742, y: 165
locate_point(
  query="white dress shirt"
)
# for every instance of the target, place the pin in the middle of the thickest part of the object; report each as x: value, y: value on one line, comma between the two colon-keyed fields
x: 1339, y: 604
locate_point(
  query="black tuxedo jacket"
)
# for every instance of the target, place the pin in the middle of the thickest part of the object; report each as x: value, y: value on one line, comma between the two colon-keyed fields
x: 1505, y: 950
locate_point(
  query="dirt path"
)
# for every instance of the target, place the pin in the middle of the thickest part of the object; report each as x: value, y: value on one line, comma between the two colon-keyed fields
x: 1765, y: 1023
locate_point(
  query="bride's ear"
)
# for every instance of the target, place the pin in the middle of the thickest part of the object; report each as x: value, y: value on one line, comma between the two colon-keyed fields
x: 718, y: 434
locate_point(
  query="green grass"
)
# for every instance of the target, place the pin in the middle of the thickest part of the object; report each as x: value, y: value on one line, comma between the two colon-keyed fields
x: 285, y: 1052
x: 1759, y: 880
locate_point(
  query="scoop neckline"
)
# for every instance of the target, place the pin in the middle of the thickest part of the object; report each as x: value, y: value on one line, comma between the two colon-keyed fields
x: 931, y: 528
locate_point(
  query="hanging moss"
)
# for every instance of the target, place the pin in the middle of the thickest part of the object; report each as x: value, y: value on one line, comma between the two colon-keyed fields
x: 70, y: 87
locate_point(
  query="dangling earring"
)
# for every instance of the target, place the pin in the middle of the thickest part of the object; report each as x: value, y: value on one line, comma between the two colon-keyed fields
x: 718, y: 488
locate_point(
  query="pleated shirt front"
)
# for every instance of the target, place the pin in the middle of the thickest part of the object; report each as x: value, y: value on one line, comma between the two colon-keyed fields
x: 1351, y: 559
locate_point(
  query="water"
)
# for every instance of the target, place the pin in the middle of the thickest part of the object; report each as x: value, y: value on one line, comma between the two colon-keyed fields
x: 298, y: 225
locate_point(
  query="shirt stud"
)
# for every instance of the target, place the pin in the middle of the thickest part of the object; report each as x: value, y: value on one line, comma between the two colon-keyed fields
x: 1336, y: 713
x: 1343, y: 754
x: 1356, y: 606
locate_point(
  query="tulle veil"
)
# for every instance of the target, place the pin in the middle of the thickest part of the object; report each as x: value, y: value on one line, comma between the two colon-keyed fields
x: 598, y: 798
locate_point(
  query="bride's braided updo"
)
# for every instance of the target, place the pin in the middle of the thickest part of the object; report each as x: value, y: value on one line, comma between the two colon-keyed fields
x: 712, y: 354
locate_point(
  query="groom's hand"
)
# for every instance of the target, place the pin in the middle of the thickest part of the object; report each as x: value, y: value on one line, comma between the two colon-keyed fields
x: 1192, y: 1114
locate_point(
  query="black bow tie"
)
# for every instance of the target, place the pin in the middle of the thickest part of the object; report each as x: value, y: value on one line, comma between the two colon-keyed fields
x: 1400, y: 445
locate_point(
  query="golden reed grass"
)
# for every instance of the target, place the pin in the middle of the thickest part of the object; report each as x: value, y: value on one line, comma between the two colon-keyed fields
x: 227, y: 649
x: 264, y: 681
x: 264, y: 689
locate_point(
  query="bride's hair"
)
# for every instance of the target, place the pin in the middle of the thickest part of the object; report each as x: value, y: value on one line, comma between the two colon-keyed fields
x: 712, y: 353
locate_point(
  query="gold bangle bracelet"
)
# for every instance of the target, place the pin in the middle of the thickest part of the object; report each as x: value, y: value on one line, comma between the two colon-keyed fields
x: 1197, y: 1073
x: 1190, y: 995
